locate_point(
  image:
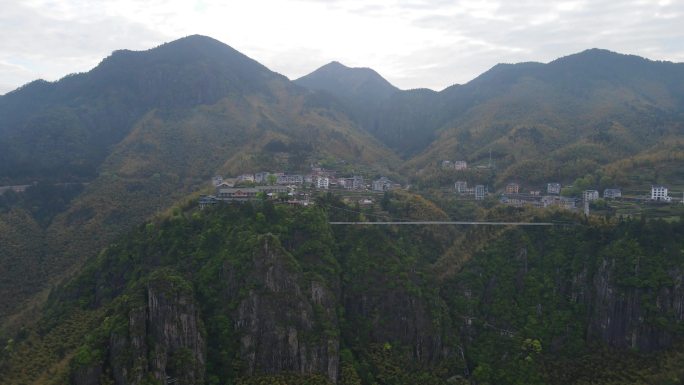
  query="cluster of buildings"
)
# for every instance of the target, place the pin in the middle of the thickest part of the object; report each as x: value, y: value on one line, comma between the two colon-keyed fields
x: 283, y: 187
x: 519, y: 200
x: 658, y: 194
x: 513, y: 196
x: 225, y: 193
x: 318, y: 179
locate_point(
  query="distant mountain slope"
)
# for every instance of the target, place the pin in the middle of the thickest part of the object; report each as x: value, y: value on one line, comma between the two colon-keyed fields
x: 400, y: 119
x: 583, y: 110
x: 563, y: 119
x: 64, y: 130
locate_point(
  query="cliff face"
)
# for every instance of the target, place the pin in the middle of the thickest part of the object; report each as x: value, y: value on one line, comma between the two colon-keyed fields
x: 209, y: 299
x: 619, y: 287
x: 285, y: 323
x: 400, y: 317
x: 387, y: 299
x: 160, y: 339
x: 280, y: 319
x: 643, y: 318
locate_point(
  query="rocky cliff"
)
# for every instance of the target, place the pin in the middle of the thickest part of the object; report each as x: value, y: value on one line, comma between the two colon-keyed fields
x: 161, y: 338
x: 270, y: 294
x: 635, y: 316
x: 285, y: 322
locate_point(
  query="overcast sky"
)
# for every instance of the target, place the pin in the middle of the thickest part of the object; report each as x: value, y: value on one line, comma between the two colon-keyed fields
x: 413, y: 43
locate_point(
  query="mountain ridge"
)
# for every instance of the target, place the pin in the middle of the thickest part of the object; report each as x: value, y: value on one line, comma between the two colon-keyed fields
x: 563, y: 103
x: 143, y: 141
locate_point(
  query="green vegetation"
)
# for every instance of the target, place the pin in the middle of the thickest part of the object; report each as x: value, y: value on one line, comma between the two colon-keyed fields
x: 43, y: 201
x: 263, y: 294
x: 144, y: 142
x: 525, y: 306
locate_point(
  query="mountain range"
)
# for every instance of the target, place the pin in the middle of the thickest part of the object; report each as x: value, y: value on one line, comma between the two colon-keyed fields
x: 146, y: 129
x: 559, y: 121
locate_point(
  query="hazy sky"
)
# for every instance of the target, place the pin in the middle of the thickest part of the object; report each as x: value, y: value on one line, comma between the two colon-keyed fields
x: 413, y: 43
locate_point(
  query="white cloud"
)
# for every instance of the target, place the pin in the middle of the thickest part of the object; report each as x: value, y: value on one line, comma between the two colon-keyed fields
x: 413, y: 43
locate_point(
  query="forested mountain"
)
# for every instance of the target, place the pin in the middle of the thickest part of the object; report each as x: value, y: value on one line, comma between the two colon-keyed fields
x: 555, y: 121
x: 145, y: 129
x: 264, y: 294
x: 563, y: 119
x: 65, y: 129
x: 403, y: 120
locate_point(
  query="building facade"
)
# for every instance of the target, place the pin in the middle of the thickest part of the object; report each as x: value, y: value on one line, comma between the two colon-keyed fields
x: 612, y: 193
x: 590, y: 195
x: 246, y: 178
x: 461, y: 186
x: 322, y: 182
x: 512, y: 188
x: 261, y: 177
x: 460, y: 165
x: 553, y: 188
x: 290, y: 179
x: 659, y: 193
x: 353, y: 183
x: 480, y: 192
x: 382, y: 184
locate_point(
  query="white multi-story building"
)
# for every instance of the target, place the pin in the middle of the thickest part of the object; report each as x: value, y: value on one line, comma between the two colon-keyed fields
x: 322, y: 182
x: 480, y: 192
x: 460, y: 165
x: 659, y: 193
x: 461, y: 186
x: 553, y: 188
x: 590, y: 195
x: 217, y: 180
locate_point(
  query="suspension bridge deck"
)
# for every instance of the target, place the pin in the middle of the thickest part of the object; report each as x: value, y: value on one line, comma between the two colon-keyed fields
x: 452, y: 223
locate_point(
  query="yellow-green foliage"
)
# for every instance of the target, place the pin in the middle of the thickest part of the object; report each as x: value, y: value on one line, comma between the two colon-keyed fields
x: 21, y: 255
x: 284, y: 379
x: 43, y: 358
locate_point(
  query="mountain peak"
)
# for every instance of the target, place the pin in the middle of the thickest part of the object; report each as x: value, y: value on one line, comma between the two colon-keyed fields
x: 196, y: 42
x: 338, y: 69
x: 595, y: 56
x: 339, y: 79
x: 335, y: 65
x: 196, y: 57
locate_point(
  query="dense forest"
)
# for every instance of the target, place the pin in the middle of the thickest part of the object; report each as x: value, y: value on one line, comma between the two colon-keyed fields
x: 269, y: 294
